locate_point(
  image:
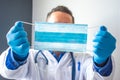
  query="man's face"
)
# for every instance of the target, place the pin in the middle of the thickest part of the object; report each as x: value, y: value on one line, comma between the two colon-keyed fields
x: 60, y: 17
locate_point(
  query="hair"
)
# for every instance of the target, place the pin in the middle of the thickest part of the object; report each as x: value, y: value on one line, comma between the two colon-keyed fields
x: 61, y: 9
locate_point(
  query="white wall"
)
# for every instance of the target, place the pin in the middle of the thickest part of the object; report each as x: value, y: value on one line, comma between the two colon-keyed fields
x: 91, y: 12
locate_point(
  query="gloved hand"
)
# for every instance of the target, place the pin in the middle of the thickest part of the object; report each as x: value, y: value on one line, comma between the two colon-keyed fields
x: 104, y: 45
x: 18, y: 41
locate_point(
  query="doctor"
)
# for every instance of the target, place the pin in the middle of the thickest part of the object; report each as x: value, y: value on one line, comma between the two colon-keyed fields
x: 21, y: 63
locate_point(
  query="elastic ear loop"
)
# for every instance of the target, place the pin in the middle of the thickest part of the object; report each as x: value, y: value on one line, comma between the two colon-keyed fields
x: 28, y: 23
x: 34, y: 25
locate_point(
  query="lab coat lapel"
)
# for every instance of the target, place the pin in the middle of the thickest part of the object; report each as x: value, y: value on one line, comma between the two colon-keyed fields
x: 50, y: 57
x: 65, y: 60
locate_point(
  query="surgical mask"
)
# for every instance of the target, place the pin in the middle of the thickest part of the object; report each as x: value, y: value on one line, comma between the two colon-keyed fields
x: 60, y: 37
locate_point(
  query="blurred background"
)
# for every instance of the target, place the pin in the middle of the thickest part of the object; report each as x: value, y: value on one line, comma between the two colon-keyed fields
x: 10, y: 12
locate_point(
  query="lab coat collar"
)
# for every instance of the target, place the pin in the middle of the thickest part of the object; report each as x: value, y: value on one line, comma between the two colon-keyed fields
x: 65, y: 60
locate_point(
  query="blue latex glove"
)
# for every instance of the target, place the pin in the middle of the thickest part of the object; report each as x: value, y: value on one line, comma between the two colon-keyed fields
x: 18, y: 41
x: 104, y: 45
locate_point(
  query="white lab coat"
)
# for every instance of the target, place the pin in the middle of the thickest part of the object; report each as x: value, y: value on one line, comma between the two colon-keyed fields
x: 54, y: 70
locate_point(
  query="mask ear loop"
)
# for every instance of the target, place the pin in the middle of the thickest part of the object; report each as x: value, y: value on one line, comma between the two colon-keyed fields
x: 28, y: 23
x: 89, y: 28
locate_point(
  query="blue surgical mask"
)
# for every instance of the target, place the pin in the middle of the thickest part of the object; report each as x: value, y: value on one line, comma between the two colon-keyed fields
x: 60, y: 37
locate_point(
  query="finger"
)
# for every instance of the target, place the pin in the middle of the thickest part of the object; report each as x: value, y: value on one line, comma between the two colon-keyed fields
x: 97, y: 39
x: 21, y: 49
x: 17, y: 27
x: 101, y: 33
x: 24, y: 47
x: 18, y: 42
x: 97, y: 51
x: 20, y: 34
x: 98, y: 45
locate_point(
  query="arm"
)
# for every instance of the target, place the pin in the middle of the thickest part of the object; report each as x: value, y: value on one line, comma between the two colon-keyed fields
x: 91, y: 71
x: 104, y: 45
x: 17, y: 54
x: 12, y: 73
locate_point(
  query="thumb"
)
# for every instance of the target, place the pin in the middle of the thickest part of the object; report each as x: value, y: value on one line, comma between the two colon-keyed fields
x: 103, y: 28
x: 18, y: 23
x: 18, y: 26
x: 102, y: 31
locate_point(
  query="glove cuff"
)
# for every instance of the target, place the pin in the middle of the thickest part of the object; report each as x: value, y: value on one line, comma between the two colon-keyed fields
x: 19, y: 58
x: 99, y: 60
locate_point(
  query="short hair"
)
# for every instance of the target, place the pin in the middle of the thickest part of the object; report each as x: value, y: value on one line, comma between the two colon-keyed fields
x: 61, y: 9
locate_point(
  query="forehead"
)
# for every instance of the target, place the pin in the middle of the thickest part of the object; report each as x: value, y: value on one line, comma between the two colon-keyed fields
x: 60, y: 17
